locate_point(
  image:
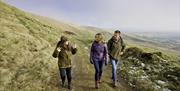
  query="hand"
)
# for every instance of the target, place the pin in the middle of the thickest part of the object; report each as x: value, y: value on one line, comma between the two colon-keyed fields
x: 106, y: 63
x: 91, y: 62
x: 58, y: 49
x: 66, y: 42
x: 74, y: 46
x: 121, y: 53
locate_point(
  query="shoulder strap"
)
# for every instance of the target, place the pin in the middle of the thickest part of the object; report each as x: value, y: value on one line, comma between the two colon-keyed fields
x: 109, y: 44
x: 122, y: 42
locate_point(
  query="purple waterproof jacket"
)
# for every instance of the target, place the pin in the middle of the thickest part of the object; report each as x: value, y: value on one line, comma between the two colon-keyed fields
x: 99, y: 52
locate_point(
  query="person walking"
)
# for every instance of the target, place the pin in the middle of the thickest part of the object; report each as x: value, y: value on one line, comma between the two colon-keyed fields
x: 98, y: 56
x: 116, y: 47
x: 63, y: 51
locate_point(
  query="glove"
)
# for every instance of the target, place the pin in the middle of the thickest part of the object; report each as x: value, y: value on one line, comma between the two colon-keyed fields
x: 106, y: 63
x: 91, y: 62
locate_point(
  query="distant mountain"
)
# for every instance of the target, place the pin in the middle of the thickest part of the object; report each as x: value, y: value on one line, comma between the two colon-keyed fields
x: 169, y: 40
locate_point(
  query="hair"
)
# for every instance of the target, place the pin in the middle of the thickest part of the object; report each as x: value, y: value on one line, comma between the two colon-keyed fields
x: 117, y: 31
x: 101, y: 36
x: 62, y: 44
x: 63, y: 39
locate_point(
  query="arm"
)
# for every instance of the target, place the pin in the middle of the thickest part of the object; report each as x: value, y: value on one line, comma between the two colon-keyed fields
x: 73, y: 49
x: 91, y: 54
x: 55, y: 53
x: 123, y: 45
x: 109, y: 45
x: 106, y: 54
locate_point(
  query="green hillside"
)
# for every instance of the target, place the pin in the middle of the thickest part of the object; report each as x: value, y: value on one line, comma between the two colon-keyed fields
x: 27, y: 42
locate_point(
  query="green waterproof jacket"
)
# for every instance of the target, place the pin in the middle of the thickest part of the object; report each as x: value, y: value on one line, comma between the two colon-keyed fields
x: 115, y: 48
x: 64, y: 56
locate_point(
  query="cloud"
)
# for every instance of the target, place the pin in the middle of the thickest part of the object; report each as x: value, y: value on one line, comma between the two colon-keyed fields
x: 161, y: 15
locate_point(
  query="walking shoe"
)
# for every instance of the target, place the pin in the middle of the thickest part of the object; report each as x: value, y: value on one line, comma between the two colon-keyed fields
x: 69, y: 86
x: 99, y: 81
x: 114, y: 84
x: 97, y: 84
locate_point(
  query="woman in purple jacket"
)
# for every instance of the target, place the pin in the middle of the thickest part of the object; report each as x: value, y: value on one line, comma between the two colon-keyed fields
x: 98, y: 56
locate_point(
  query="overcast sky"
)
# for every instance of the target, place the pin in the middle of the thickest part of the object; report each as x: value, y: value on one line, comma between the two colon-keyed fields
x: 138, y: 15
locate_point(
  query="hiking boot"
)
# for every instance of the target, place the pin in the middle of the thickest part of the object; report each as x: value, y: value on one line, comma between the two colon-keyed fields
x: 69, y: 86
x: 99, y: 81
x: 114, y: 84
x: 97, y: 84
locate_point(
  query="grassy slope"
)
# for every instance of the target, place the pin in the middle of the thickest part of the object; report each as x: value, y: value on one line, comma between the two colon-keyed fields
x: 25, y: 49
x: 26, y: 44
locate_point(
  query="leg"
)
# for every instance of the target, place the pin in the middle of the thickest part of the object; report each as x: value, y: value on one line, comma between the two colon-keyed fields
x: 100, y: 70
x: 97, y: 70
x: 114, y: 67
x: 63, y: 75
x: 68, y: 73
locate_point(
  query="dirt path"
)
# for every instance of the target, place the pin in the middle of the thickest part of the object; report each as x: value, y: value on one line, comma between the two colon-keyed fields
x: 83, y: 77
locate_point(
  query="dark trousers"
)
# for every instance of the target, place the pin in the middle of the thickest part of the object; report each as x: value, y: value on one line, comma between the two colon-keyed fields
x: 65, y: 72
x: 98, y: 65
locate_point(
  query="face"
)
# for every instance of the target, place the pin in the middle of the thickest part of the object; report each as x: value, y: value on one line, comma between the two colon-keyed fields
x: 117, y: 35
x: 97, y: 38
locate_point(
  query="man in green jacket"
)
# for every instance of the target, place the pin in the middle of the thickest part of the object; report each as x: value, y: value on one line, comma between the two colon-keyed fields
x: 63, y: 51
x: 116, y: 47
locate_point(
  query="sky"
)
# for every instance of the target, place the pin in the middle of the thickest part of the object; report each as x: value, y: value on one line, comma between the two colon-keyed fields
x: 132, y: 15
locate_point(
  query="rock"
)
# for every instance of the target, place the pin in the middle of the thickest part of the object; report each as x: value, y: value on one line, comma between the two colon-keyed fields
x: 157, y: 87
x: 161, y: 82
x: 142, y: 64
x: 144, y: 77
x: 166, y: 89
